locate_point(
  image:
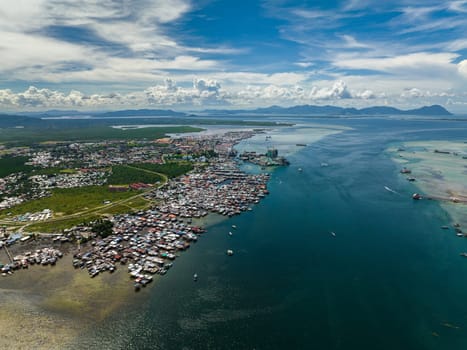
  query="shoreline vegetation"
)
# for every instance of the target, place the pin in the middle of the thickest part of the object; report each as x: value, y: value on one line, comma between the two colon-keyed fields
x: 29, y: 136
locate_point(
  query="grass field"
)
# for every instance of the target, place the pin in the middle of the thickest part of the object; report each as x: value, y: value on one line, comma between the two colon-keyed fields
x: 124, y: 175
x: 70, y: 200
x: 171, y: 169
x: 58, y: 225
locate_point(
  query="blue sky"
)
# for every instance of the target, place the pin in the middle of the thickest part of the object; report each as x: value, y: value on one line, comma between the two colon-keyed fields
x: 183, y: 54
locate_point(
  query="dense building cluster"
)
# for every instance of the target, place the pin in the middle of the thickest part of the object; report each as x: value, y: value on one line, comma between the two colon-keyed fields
x: 147, y: 242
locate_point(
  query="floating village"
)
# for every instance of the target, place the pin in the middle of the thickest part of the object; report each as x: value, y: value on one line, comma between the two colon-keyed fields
x: 148, y: 241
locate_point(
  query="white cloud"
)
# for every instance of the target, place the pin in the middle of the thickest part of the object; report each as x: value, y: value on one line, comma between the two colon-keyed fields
x: 416, y: 61
x: 365, y: 95
x: 304, y: 64
x: 352, y: 43
x: 462, y: 67
x: 337, y: 91
x: 29, y: 53
x: 207, y: 92
x: 414, y: 92
x: 458, y: 6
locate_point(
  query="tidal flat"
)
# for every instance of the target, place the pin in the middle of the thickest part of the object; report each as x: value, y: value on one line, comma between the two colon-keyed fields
x: 50, y: 306
x: 439, y: 170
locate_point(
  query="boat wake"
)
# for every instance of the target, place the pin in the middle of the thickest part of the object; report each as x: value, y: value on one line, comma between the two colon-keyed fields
x: 390, y: 190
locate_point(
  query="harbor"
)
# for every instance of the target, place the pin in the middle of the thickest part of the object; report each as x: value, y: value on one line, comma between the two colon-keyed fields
x: 147, y: 242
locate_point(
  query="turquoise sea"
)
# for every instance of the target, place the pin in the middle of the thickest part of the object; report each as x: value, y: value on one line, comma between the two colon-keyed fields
x: 390, y: 278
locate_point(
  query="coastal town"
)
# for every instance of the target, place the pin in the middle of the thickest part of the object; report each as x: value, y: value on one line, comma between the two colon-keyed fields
x: 144, y: 242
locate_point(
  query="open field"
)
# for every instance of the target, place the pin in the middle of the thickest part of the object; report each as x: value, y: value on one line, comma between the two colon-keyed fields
x: 124, y: 175
x: 170, y: 169
x: 70, y: 200
x: 134, y: 203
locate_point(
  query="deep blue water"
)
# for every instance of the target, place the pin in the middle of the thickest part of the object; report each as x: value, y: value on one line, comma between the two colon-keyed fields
x: 389, y: 279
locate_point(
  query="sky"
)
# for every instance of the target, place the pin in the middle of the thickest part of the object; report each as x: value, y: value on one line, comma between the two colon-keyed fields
x: 205, y: 54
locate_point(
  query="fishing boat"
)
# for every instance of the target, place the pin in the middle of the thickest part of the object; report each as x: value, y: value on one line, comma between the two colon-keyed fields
x: 463, y: 255
x: 230, y: 233
x: 333, y: 234
x: 416, y: 196
x: 234, y: 226
x: 405, y: 171
x: 229, y: 252
x: 300, y: 169
x: 195, y: 277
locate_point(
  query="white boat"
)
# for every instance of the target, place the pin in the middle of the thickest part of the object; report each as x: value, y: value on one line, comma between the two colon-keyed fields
x: 234, y: 226
x: 333, y: 234
x: 195, y: 277
x: 300, y: 169
x: 230, y: 233
x: 229, y: 252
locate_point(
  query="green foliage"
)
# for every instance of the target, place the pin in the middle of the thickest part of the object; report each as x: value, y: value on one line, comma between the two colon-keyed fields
x: 29, y: 136
x: 10, y: 165
x: 123, y: 174
x: 71, y: 200
x: 102, y: 228
x: 171, y: 169
x: 52, y: 171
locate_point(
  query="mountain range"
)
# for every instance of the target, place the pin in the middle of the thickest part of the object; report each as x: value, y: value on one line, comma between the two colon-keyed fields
x: 34, y: 118
x: 434, y: 110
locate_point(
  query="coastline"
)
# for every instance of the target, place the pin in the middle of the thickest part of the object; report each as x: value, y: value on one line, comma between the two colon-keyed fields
x: 65, y: 303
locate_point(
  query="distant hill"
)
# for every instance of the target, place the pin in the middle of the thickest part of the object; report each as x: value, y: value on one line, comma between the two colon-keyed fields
x: 52, y: 113
x: 111, y: 114
x: 11, y: 121
x: 435, y: 110
x: 311, y: 110
x: 141, y: 113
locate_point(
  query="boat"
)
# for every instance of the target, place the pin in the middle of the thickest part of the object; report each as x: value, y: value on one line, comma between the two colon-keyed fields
x: 416, y: 196
x: 323, y: 164
x: 234, y: 226
x: 389, y: 189
x: 137, y: 287
x: 195, y: 277
x: 333, y: 234
x: 411, y: 179
x: 230, y: 233
x: 301, y: 144
x: 459, y: 234
x: 229, y: 252
x: 405, y: 171
x: 445, y: 227
x: 300, y: 169
x: 463, y: 254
